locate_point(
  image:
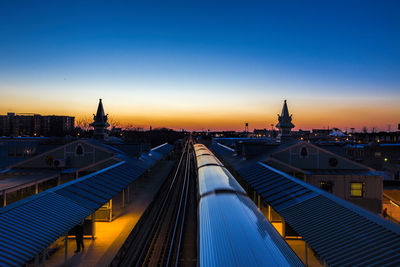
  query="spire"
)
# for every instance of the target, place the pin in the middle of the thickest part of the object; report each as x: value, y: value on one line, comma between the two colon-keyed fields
x: 285, y: 124
x: 100, y: 116
x: 285, y: 112
x: 100, y: 122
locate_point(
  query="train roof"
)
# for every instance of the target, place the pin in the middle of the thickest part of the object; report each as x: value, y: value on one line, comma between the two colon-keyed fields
x: 205, y: 160
x: 233, y: 232
x: 215, y: 178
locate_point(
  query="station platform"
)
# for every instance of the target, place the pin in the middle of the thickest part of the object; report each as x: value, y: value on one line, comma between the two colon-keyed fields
x: 111, y: 235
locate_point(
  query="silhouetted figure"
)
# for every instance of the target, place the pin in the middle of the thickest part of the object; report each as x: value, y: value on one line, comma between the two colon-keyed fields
x: 384, y: 213
x: 79, y: 236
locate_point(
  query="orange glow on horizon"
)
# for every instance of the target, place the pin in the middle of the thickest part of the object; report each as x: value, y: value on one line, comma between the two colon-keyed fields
x: 215, y: 115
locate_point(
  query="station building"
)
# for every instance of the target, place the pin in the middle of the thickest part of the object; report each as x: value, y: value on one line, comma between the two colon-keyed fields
x: 313, y: 164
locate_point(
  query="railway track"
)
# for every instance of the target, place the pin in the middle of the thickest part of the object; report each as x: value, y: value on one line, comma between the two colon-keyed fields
x: 165, y: 235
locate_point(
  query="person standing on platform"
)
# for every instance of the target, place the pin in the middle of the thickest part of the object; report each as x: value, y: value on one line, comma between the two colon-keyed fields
x: 79, y: 236
x: 385, y: 213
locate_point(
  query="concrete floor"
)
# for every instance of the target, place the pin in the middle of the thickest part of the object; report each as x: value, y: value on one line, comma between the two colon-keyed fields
x: 111, y: 235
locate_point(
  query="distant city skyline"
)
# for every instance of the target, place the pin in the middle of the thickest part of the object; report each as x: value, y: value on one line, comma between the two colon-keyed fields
x: 204, y: 65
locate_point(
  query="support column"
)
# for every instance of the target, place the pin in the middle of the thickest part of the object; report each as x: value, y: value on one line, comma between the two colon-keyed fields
x: 37, y: 260
x: 306, y: 254
x: 110, y: 214
x: 123, y: 198
x: 269, y: 213
x: 44, y: 257
x: 66, y: 250
x: 93, y: 224
x: 4, y: 198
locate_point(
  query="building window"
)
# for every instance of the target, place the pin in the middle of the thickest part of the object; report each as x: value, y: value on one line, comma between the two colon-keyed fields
x: 79, y: 151
x: 356, y: 189
x: 326, y: 185
x: 304, y: 152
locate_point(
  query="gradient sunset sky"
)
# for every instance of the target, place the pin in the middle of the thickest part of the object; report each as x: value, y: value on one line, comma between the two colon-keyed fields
x: 202, y: 65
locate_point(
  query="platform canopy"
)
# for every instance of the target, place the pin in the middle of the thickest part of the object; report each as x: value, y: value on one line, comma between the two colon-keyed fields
x: 30, y: 225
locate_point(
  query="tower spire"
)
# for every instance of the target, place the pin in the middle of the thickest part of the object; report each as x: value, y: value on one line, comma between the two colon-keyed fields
x: 100, y: 122
x: 285, y: 124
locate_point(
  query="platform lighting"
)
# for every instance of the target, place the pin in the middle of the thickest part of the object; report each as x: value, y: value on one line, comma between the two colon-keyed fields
x: 394, y: 203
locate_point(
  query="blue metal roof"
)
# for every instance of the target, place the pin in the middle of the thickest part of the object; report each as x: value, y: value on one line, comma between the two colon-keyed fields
x: 233, y: 232
x: 31, y: 224
x: 340, y: 232
x: 163, y: 149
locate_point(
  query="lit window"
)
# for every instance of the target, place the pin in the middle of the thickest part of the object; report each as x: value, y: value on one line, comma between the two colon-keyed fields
x: 378, y: 154
x: 356, y: 189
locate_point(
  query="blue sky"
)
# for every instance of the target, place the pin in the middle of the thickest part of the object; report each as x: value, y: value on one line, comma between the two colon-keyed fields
x: 316, y: 54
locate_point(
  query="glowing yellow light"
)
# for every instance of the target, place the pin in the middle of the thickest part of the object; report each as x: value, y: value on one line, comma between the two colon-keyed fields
x: 385, y: 159
x: 378, y: 140
x: 394, y: 203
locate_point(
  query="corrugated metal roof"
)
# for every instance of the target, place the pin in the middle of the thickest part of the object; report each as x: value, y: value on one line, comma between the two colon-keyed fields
x: 30, y: 225
x: 163, y: 149
x: 233, y: 232
x: 26, y: 229
x: 340, y: 232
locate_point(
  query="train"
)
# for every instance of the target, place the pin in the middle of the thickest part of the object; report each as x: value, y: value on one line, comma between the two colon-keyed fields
x: 232, y: 231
